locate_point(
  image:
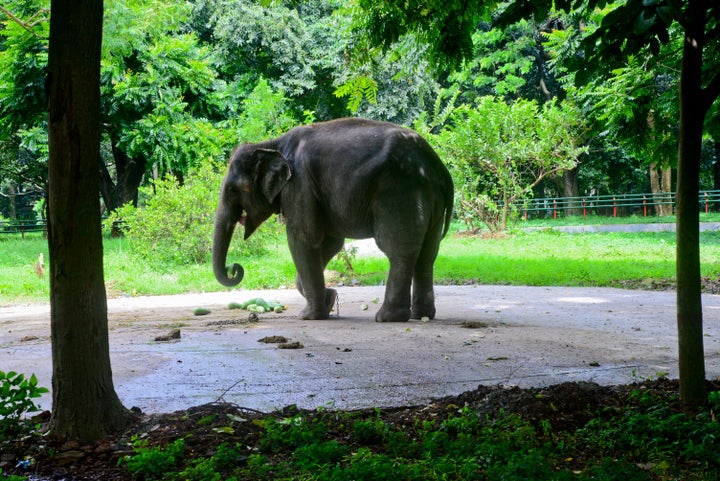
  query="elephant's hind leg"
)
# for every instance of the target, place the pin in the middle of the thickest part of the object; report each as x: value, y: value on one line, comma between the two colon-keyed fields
x: 423, y: 295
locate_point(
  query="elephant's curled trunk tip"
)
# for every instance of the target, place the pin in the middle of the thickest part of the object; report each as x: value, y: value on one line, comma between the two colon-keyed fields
x: 235, y: 274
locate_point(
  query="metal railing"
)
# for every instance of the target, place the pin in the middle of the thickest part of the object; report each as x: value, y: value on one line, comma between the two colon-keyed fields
x: 620, y: 205
x: 22, y: 226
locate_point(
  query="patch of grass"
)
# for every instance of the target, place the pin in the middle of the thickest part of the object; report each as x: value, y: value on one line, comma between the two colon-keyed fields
x: 594, y: 219
x: 539, y: 258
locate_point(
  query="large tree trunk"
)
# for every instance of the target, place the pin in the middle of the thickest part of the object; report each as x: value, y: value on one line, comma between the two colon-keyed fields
x: 693, y: 108
x: 85, y: 405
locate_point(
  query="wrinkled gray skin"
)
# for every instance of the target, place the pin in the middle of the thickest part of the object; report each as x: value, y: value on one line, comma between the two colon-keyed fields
x: 349, y: 178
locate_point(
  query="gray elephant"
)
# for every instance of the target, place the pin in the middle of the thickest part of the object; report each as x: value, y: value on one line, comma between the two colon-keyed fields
x: 346, y: 178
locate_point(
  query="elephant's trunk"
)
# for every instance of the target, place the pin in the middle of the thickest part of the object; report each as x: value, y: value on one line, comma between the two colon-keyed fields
x: 222, y: 236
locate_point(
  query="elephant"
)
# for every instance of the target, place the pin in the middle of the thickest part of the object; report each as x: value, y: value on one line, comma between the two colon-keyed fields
x: 345, y: 178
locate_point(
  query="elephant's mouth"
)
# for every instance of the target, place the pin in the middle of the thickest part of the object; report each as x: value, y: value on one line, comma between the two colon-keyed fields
x: 243, y: 218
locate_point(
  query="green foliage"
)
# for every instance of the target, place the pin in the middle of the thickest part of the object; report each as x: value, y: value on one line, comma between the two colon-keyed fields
x: 292, y: 432
x: 153, y: 463
x: 175, y: 226
x: 23, y: 56
x: 655, y: 428
x: 356, y: 89
x: 265, y: 114
x: 498, y: 152
x: 17, y: 395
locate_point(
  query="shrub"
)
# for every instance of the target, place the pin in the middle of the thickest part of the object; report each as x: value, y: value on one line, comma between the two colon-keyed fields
x: 154, y: 463
x: 175, y: 225
x: 16, y: 399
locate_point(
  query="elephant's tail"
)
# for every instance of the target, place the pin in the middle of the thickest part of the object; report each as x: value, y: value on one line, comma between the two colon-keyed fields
x: 449, y: 201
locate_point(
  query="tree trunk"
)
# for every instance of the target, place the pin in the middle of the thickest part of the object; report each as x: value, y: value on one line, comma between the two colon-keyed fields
x: 129, y: 174
x: 661, y: 188
x: 571, y: 188
x: 85, y: 405
x: 693, y: 109
x: 666, y: 189
x: 655, y: 187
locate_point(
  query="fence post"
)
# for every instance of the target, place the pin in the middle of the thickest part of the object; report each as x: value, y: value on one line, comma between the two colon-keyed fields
x: 554, y: 209
x: 614, y: 207
x: 644, y: 206
x: 584, y: 208
x: 706, y: 202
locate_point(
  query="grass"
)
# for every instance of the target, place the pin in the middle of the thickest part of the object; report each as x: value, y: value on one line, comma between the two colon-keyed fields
x: 539, y: 258
x: 594, y: 219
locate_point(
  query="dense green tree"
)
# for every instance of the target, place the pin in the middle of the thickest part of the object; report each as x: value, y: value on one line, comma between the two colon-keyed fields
x: 161, y: 97
x: 500, y: 151
x: 24, y: 31
x: 633, y: 107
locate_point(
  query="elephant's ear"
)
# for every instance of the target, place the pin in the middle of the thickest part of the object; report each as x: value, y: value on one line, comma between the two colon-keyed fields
x: 272, y: 172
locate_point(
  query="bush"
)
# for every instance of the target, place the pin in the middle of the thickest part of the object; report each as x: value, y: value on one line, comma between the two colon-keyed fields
x: 16, y: 399
x: 176, y: 224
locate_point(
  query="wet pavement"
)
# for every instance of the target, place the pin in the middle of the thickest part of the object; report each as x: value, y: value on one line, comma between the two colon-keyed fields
x: 526, y: 336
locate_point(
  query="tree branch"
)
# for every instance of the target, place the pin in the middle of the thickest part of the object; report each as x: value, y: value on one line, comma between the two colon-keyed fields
x: 25, y: 25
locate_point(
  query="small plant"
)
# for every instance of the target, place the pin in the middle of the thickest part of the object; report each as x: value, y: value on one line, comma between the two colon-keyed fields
x: 153, y: 463
x: 347, y: 257
x: 11, y: 477
x: 17, y: 395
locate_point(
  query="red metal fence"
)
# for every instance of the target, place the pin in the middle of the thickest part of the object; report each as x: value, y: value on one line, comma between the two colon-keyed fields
x: 620, y: 205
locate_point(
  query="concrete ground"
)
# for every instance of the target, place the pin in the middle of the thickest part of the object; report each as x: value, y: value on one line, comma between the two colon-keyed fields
x: 526, y: 336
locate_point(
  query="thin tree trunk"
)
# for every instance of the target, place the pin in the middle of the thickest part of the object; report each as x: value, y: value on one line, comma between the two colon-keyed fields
x: 655, y: 188
x: 85, y: 405
x: 693, y: 391
x: 666, y: 189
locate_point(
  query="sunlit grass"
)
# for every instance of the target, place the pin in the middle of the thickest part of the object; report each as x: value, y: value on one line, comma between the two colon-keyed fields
x: 539, y: 258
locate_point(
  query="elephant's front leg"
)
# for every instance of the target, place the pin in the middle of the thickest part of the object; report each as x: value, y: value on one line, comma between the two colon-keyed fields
x: 310, y: 264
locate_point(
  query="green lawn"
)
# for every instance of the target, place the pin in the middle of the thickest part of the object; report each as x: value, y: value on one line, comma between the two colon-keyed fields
x: 523, y: 258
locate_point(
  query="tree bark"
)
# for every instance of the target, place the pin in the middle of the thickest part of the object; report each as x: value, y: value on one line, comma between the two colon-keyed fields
x: 571, y: 188
x: 129, y: 173
x: 85, y: 405
x: 693, y: 109
x: 666, y: 188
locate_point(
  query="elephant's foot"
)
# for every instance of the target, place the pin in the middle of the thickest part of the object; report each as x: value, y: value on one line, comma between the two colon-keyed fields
x: 389, y: 314
x: 419, y: 312
x: 317, y: 313
x: 320, y: 312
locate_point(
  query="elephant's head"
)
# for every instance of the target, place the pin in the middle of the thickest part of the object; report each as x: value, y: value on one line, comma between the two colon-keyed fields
x: 250, y: 193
